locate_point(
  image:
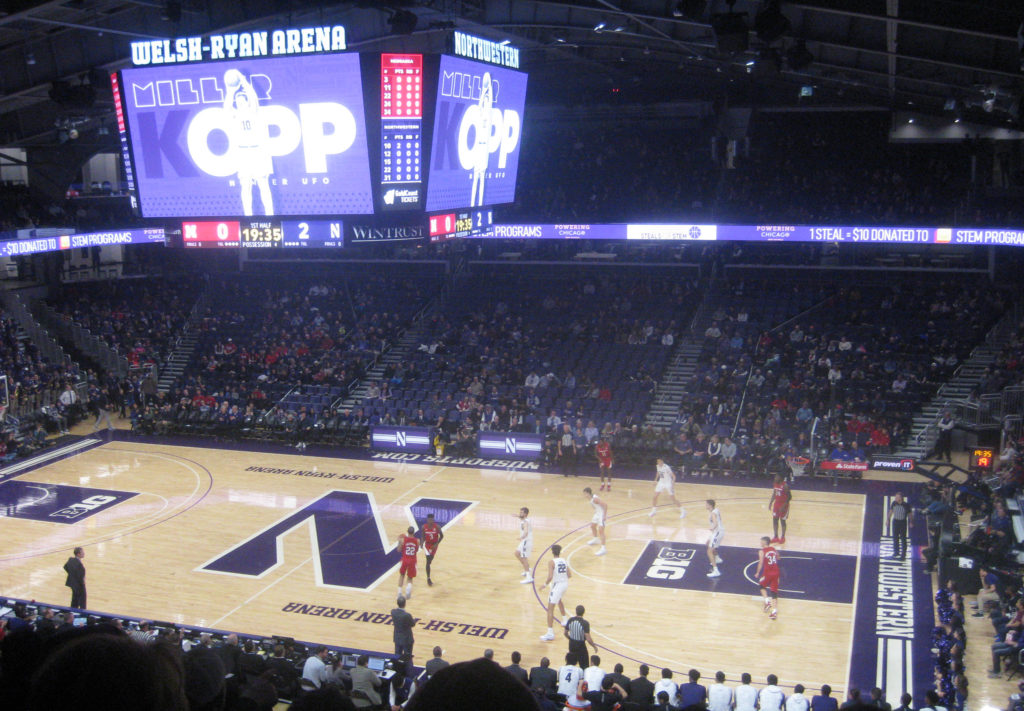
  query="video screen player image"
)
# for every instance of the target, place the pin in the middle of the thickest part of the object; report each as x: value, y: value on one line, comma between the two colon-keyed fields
x: 280, y: 136
x: 477, y: 135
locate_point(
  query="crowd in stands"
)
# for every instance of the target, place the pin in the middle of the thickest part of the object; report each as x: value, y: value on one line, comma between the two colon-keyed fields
x: 34, y: 392
x: 534, y: 350
x: 139, y: 318
x: 279, y: 358
x: 863, y: 359
x: 52, y: 660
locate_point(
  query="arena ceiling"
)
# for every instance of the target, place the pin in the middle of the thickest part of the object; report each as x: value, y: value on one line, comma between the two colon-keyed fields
x: 931, y: 56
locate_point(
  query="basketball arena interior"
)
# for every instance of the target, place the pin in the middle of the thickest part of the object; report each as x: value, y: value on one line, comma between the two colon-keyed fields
x: 494, y: 354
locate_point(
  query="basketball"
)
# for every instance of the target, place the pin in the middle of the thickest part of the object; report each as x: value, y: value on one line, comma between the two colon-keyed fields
x: 233, y: 78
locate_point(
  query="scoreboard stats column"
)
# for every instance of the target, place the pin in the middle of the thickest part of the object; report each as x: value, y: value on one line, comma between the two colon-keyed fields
x: 401, y: 134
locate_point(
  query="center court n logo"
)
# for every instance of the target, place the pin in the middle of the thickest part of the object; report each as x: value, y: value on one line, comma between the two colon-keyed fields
x: 349, y: 546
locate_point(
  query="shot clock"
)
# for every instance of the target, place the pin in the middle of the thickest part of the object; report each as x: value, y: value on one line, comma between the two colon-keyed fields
x: 982, y: 459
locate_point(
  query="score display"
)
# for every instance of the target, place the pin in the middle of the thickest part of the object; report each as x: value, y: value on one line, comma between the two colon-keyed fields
x: 982, y: 459
x: 261, y: 234
x: 458, y: 224
x: 401, y: 130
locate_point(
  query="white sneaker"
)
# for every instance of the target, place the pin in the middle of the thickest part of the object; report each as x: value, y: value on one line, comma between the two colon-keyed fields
x: 593, y: 541
x: 718, y: 559
x: 600, y: 551
x: 651, y: 514
x: 524, y: 574
x: 714, y: 573
x: 547, y: 637
x: 682, y: 513
x: 527, y: 579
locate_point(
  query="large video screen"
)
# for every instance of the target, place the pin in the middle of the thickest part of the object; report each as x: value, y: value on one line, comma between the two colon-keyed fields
x: 279, y: 136
x: 477, y: 128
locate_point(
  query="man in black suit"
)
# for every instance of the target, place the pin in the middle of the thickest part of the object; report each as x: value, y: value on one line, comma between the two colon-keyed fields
x: 403, y: 623
x: 641, y: 689
x: 76, y: 578
x: 544, y: 677
x: 436, y: 664
x: 517, y: 671
x: 621, y: 679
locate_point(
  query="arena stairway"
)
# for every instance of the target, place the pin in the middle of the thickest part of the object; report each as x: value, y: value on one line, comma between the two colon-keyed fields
x: 923, y: 433
x: 396, y: 354
x: 181, y: 354
x: 672, y: 386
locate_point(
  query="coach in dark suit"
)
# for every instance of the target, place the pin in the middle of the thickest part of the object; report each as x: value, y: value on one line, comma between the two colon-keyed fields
x: 544, y: 677
x: 403, y: 623
x: 516, y: 670
x: 76, y: 578
x: 436, y: 664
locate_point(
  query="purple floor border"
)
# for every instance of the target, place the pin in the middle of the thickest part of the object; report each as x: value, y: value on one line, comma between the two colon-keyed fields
x: 894, y: 612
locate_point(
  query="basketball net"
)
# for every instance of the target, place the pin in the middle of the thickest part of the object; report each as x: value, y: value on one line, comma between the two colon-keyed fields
x: 797, y: 465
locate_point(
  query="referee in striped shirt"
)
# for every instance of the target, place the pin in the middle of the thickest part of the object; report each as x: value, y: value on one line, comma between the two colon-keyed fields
x: 577, y: 631
x: 899, y: 521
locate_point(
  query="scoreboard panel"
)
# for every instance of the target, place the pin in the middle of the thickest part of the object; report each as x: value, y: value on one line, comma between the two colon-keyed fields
x: 261, y: 234
x: 459, y: 223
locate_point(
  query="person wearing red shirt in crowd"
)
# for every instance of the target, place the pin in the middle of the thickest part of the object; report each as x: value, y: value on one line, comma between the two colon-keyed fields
x: 778, y: 504
x: 432, y: 536
x: 409, y: 546
x: 879, y: 439
x: 768, y: 576
x: 603, y: 450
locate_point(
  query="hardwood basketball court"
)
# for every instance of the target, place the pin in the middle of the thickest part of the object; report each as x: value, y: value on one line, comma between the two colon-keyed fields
x: 170, y: 533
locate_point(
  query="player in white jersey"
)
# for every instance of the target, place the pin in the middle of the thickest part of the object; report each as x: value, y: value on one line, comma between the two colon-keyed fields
x: 771, y: 697
x: 665, y: 483
x: 719, y: 695
x: 558, y: 579
x: 569, y: 676
x: 745, y: 695
x: 481, y: 151
x: 597, y: 522
x: 525, y: 546
x: 249, y: 133
x: 715, y: 539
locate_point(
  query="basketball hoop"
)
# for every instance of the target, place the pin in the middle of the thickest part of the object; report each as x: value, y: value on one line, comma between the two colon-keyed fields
x: 797, y: 465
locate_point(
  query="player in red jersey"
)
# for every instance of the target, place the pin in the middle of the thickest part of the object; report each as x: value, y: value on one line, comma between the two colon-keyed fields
x: 432, y: 536
x: 603, y: 450
x: 768, y: 576
x: 409, y: 545
x: 778, y: 504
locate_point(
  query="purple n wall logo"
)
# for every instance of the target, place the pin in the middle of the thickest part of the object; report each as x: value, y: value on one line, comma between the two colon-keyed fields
x: 349, y: 546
